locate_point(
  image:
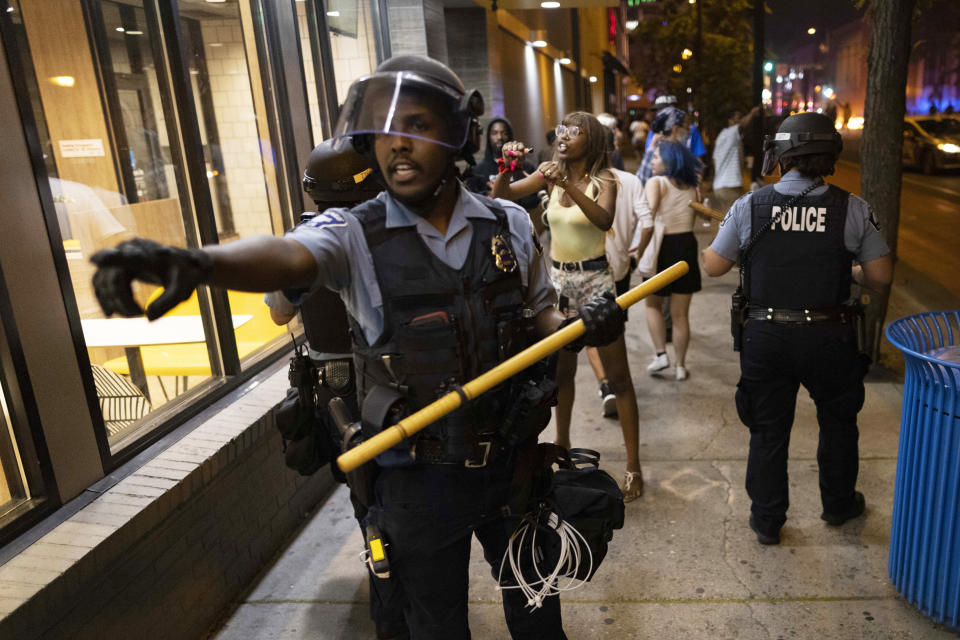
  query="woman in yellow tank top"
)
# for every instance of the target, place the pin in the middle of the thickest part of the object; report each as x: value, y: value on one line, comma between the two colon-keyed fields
x: 583, y: 194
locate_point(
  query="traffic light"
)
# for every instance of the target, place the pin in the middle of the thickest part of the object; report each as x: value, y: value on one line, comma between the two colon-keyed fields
x: 768, y: 66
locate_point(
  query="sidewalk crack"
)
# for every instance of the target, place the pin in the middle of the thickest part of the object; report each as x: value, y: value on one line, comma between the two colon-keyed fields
x: 700, y: 455
x: 726, y: 551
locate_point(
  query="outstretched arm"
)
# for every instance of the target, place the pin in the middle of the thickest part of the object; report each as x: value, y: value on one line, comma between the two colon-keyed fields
x: 262, y: 263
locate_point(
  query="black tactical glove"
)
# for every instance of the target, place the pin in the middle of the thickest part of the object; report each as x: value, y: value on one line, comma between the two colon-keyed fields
x: 604, y: 320
x: 178, y: 271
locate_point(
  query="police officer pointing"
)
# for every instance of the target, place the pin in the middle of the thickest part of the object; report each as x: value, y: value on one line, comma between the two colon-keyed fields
x: 439, y: 285
x: 796, y: 241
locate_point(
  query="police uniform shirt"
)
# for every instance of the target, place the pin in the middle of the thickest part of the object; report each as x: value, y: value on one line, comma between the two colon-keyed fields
x: 861, y: 234
x: 345, y: 265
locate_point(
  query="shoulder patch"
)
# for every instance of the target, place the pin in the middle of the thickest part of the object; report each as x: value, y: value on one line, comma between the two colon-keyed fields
x: 326, y: 219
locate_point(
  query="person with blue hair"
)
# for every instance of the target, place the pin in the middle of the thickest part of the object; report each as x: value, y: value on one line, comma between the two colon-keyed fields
x: 676, y: 175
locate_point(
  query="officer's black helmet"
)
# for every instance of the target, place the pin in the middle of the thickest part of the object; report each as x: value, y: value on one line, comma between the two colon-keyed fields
x: 336, y: 173
x: 371, y: 101
x: 800, y: 135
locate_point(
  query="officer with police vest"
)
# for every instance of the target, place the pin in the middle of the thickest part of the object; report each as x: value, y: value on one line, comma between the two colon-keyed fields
x: 439, y: 285
x: 337, y: 176
x: 797, y: 241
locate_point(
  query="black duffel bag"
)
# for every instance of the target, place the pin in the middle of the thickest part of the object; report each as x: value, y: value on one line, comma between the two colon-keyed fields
x: 587, y: 498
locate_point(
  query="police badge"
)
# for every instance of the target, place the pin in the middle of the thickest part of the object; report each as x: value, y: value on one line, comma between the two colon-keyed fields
x: 506, y: 261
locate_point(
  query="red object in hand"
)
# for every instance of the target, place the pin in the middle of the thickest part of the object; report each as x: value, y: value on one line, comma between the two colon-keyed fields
x: 503, y: 167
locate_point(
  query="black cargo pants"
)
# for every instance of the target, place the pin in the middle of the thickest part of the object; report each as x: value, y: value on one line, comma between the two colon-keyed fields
x: 774, y: 361
x: 428, y: 514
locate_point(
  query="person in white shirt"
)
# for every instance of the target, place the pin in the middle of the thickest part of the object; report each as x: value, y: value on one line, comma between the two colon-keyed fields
x: 728, y: 159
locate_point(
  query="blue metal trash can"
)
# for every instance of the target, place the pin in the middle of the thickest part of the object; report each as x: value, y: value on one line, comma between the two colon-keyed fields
x: 925, y: 533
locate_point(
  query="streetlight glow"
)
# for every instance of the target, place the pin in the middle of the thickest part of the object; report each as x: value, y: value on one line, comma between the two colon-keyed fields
x: 686, y: 54
x: 811, y: 31
x: 768, y: 67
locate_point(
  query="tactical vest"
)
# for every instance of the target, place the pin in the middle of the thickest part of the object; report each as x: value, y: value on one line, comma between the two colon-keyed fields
x: 325, y: 322
x: 442, y: 326
x: 801, y: 262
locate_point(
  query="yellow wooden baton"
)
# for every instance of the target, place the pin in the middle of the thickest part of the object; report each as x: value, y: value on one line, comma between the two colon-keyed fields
x: 369, y: 449
x: 707, y: 211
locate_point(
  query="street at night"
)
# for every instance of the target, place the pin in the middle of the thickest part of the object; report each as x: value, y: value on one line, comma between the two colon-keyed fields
x: 928, y: 250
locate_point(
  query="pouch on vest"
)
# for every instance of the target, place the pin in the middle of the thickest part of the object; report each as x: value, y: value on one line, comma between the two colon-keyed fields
x: 382, y: 408
x: 306, y: 443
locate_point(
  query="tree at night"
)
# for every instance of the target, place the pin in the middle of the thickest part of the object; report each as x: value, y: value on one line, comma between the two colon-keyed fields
x: 888, y: 60
x: 721, y: 71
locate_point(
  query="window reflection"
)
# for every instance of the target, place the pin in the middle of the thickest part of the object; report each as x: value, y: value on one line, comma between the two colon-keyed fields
x: 309, y: 72
x: 351, y: 41
x: 99, y: 105
x: 238, y: 151
x: 13, y: 486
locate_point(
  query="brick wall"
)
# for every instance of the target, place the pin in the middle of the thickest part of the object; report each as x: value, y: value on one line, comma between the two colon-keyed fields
x: 164, y: 552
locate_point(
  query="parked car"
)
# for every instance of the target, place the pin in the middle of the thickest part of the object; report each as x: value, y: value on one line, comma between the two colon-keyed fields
x: 931, y: 143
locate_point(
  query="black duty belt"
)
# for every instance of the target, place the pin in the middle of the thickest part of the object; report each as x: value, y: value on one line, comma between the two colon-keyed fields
x: 485, y: 450
x: 593, y: 264
x: 800, y: 316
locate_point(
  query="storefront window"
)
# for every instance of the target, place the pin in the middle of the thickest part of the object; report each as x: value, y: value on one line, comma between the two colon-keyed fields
x: 351, y: 41
x: 112, y: 176
x: 108, y: 129
x: 309, y: 71
x: 239, y: 153
x: 13, y: 486
x: 23, y: 483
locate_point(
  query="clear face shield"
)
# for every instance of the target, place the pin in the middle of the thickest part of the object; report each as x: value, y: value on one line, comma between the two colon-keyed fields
x: 405, y: 104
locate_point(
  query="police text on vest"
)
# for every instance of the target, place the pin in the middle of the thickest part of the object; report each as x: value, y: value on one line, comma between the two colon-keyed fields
x: 813, y: 219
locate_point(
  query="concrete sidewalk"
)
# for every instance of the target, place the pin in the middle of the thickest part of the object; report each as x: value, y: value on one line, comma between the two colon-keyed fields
x: 685, y: 564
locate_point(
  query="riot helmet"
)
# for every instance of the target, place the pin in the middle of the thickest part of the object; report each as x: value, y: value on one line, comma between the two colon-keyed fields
x: 337, y: 175
x: 373, y: 105
x: 800, y: 135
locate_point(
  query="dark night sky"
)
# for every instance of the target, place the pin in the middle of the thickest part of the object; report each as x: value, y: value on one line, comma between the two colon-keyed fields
x: 788, y: 21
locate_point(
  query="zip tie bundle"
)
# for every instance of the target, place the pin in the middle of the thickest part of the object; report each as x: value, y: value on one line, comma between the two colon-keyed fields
x: 568, y: 561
